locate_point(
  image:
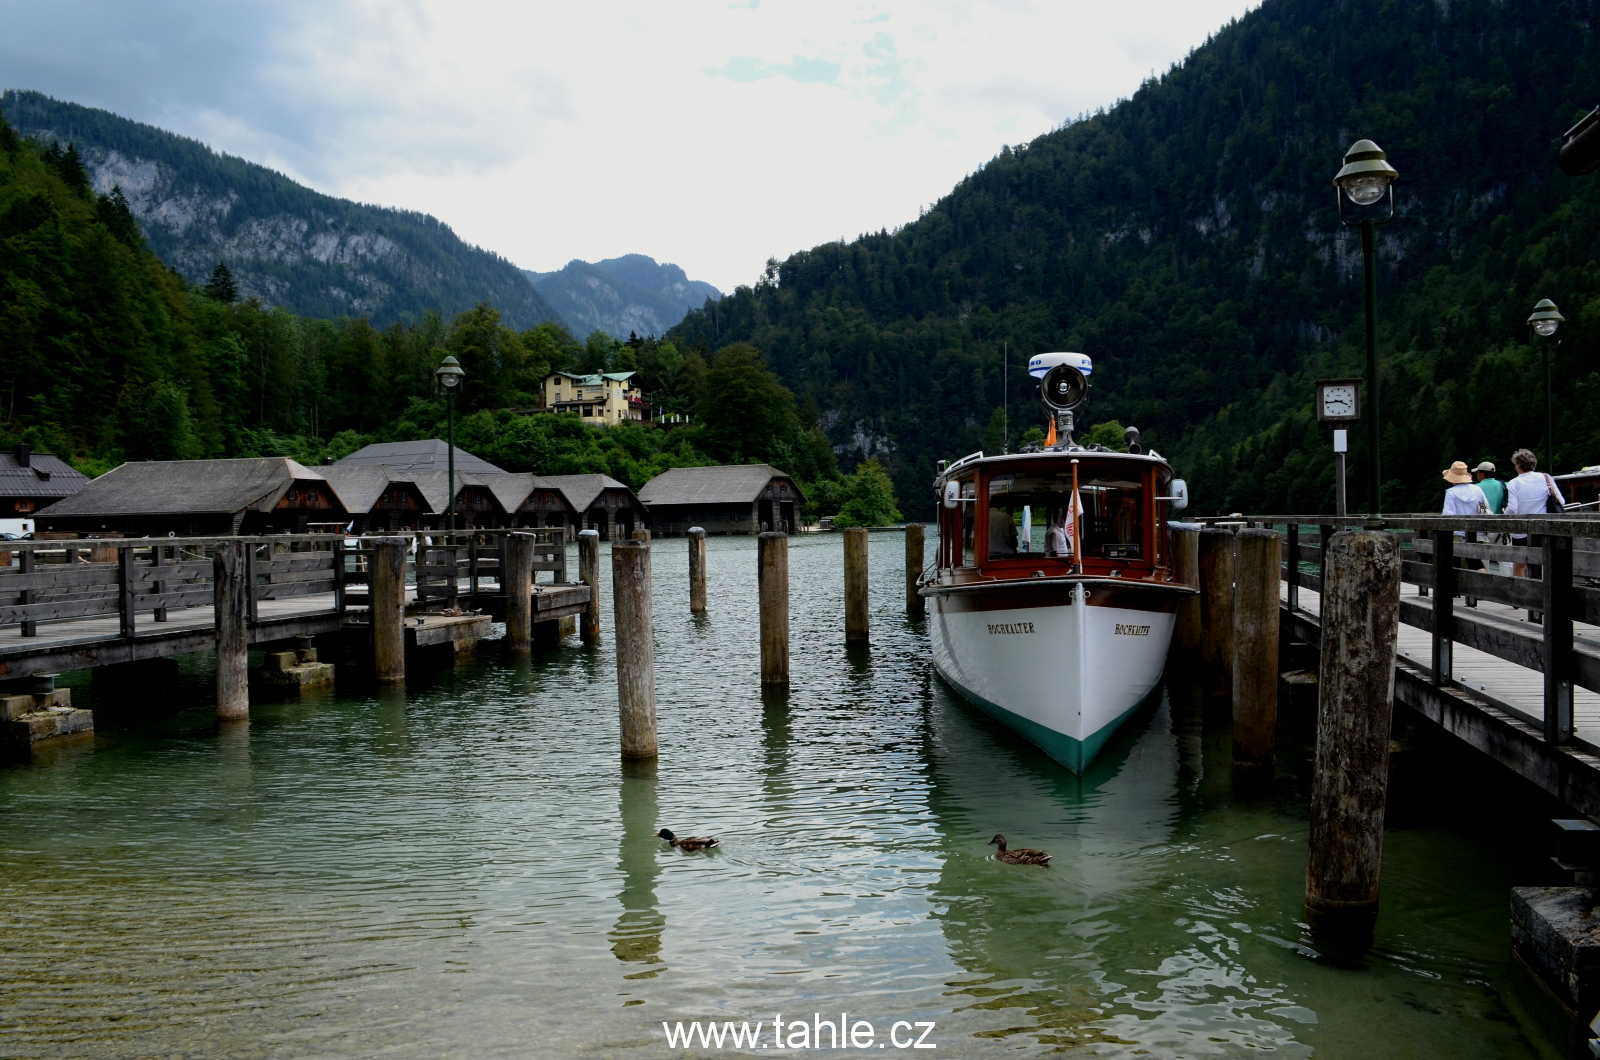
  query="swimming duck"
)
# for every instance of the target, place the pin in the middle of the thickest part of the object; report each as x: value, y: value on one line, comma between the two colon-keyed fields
x: 688, y: 842
x: 1019, y: 856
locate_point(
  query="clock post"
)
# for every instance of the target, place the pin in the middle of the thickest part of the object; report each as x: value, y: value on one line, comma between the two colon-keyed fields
x: 1339, y: 403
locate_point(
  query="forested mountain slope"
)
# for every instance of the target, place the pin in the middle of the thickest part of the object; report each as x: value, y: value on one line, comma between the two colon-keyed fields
x: 1188, y: 239
x: 630, y: 295
x: 310, y: 253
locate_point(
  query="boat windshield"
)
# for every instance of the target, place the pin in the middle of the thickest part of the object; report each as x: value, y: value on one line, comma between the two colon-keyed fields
x: 1032, y: 515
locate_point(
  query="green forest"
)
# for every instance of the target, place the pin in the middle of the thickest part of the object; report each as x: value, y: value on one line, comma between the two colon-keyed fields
x: 1188, y: 239
x: 111, y: 356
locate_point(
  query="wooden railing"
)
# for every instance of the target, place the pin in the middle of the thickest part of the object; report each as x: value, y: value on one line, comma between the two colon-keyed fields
x: 143, y: 579
x: 1560, y: 586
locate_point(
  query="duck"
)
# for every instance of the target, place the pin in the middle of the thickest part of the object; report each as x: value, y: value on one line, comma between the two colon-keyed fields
x: 1019, y: 856
x: 688, y: 842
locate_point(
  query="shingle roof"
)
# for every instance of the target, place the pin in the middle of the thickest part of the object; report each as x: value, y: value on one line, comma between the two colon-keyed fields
x: 186, y: 487
x: 581, y: 490
x: 594, y: 380
x: 724, y: 484
x: 435, y: 486
x: 46, y: 476
x: 430, y: 454
x: 510, y: 489
x: 358, y: 486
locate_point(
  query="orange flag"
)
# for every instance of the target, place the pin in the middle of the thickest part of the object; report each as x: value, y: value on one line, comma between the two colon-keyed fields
x: 1050, y: 438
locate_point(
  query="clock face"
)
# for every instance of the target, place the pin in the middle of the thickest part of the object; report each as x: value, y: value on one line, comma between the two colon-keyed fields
x: 1338, y: 401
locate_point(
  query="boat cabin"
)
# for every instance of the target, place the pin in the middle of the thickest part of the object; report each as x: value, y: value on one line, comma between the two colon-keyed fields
x: 1014, y: 517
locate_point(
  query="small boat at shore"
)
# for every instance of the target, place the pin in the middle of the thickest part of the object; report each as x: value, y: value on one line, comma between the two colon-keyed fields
x: 1052, y: 600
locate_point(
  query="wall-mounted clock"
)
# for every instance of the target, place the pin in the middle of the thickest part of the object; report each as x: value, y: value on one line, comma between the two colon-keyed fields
x: 1338, y: 400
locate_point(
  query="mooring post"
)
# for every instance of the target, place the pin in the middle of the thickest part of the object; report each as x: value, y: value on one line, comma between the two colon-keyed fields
x: 1216, y: 610
x: 697, y: 570
x: 231, y: 605
x: 1557, y: 653
x: 914, y: 560
x: 1360, y: 617
x: 589, y: 574
x: 1291, y: 572
x: 855, y: 585
x: 516, y: 581
x: 1444, y: 601
x: 386, y: 594
x: 640, y: 534
x: 1255, y: 654
x: 636, y: 653
x: 1188, y: 630
x: 773, y: 588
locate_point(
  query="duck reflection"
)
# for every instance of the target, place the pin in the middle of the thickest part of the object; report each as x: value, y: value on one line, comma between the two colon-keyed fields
x: 636, y: 938
x: 1030, y: 935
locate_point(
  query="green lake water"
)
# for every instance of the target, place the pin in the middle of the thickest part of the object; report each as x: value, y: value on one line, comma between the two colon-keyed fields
x: 465, y: 868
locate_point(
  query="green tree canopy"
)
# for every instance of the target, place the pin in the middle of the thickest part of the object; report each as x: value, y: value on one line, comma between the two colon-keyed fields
x: 869, y: 498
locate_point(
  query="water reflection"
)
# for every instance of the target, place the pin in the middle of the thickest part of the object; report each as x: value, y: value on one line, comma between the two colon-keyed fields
x: 636, y: 936
x: 390, y: 734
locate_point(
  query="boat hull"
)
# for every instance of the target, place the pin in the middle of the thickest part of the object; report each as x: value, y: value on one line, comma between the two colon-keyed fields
x: 1063, y: 665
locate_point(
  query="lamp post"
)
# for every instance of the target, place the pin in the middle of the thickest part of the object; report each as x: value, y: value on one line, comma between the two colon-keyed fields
x: 1365, y: 179
x: 1544, y: 320
x: 449, y: 375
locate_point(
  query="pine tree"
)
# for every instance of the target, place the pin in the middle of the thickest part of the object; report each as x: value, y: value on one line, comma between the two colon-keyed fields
x: 221, y: 286
x: 113, y: 212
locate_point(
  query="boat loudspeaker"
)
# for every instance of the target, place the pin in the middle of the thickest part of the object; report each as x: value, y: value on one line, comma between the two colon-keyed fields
x: 1063, y: 388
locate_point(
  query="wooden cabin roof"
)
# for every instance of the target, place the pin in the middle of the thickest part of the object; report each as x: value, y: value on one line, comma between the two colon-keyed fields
x: 581, y: 491
x: 187, y: 487
x: 359, y: 487
x: 44, y: 476
x: 723, y: 484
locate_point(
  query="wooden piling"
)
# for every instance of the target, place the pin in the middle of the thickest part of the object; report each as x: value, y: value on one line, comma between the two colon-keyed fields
x: 1186, y: 635
x: 1216, y: 610
x: 697, y: 570
x: 516, y: 578
x: 589, y: 574
x: 640, y: 534
x: 773, y: 588
x: 855, y: 585
x: 230, y: 598
x: 915, y: 606
x: 636, y: 653
x: 1360, y: 616
x: 1255, y: 653
x: 386, y: 588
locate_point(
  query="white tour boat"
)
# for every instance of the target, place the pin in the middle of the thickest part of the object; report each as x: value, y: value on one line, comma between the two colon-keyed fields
x: 1052, y: 600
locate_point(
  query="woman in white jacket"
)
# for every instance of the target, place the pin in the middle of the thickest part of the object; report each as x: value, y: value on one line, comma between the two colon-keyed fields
x: 1528, y: 494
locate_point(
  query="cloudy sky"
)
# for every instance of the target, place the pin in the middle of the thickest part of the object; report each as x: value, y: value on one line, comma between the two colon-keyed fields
x: 711, y: 134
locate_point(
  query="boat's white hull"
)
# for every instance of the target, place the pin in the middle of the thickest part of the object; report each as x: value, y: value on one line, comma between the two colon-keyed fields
x: 1062, y: 670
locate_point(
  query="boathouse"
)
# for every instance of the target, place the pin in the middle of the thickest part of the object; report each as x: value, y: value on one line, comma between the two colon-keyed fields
x: 377, y: 498
x: 729, y: 499
x: 157, y: 498
x: 30, y: 481
x: 599, y: 502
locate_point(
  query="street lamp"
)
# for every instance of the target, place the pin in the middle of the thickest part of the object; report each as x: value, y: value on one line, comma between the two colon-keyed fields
x: 1544, y: 320
x: 449, y: 375
x: 1365, y: 179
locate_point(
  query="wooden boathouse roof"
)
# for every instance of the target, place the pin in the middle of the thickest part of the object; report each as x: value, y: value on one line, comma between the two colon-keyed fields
x: 581, y: 491
x: 723, y: 484
x: 187, y: 487
x: 430, y: 454
x: 359, y: 487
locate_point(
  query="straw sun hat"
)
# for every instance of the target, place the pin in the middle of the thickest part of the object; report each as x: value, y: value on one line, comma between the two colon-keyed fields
x: 1458, y: 473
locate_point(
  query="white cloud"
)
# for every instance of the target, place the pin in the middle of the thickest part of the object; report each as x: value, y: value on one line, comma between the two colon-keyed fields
x: 709, y: 134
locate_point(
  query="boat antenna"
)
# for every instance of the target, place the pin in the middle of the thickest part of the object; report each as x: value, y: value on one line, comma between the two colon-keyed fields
x: 1005, y: 397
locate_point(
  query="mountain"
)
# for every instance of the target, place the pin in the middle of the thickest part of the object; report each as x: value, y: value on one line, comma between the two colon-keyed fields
x: 632, y: 294
x: 1188, y: 239
x: 310, y: 253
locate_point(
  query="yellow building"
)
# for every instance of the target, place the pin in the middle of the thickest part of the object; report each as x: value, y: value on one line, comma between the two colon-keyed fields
x: 603, y: 400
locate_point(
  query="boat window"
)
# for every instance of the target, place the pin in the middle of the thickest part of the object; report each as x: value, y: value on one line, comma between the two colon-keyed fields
x: 967, y: 512
x: 1032, y: 515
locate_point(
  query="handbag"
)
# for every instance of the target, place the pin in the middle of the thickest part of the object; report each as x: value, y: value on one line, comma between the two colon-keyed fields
x: 1552, y: 504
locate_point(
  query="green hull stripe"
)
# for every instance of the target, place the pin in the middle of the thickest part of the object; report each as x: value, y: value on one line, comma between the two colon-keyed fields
x: 1073, y: 753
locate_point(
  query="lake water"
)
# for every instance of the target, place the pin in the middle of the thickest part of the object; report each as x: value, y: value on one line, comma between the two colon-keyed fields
x: 465, y: 868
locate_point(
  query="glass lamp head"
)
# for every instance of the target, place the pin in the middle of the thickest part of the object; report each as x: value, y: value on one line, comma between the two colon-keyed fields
x: 1546, y: 318
x: 1366, y: 174
x: 449, y: 372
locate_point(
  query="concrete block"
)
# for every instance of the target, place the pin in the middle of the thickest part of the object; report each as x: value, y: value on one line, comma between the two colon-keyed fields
x: 307, y: 655
x: 295, y: 677
x: 13, y: 707
x: 1556, y: 932
x: 281, y: 660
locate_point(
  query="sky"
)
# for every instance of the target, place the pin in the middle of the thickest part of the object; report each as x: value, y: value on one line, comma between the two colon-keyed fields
x: 710, y: 134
